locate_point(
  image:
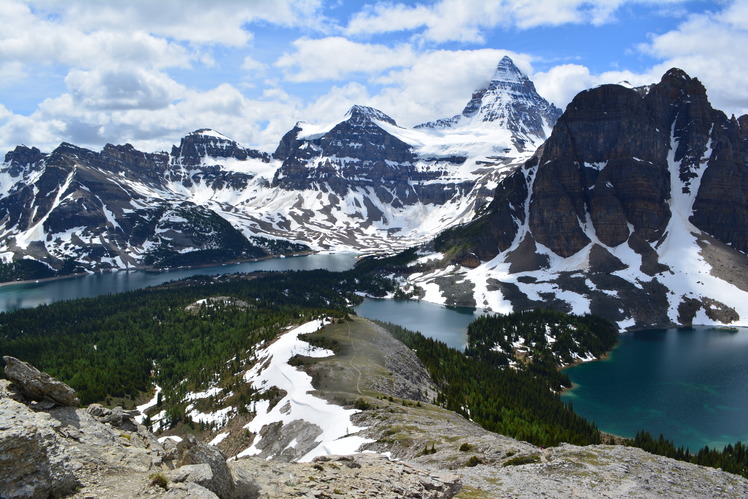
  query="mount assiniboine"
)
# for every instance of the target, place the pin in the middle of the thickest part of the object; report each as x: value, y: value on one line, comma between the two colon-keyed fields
x: 359, y: 184
x: 633, y: 208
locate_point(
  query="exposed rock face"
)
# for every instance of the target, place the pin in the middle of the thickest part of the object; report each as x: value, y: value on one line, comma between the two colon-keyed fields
x: 201, y: 159
x: 510, y: 100
x: 21, y: 159
x: 204, y: 143
x: 76, y: 209
x: 629, y: 183
x: 32, y: 461
x: 588, y: 167
x: 37, y: 385
x: 356, y: 152
x: 611, y: 156
x: 607, y: 168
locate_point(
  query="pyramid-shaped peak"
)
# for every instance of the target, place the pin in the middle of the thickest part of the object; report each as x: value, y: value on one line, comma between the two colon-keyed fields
x: 358, y: 113
x: 508, y: 72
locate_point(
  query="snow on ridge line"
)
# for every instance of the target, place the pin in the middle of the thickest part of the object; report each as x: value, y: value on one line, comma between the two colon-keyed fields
x: 272, y: 369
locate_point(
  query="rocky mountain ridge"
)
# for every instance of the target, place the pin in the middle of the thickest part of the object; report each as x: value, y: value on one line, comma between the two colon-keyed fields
x: 359, y: 184
x: 625, y: 212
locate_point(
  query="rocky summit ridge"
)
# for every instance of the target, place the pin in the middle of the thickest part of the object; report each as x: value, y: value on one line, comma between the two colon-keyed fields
x: 633, y: 209
x: 361, y: 183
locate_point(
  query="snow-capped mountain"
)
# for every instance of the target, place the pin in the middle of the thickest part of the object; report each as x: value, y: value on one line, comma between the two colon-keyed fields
x: 120, y: 208
x: 634, y: 209
x: 509, y: 102
x: 361, y: 183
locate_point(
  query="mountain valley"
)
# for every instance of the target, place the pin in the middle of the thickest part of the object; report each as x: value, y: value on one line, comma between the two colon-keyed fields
x: 629, y: 205
x: 632, y: 209
x: 361, y: 184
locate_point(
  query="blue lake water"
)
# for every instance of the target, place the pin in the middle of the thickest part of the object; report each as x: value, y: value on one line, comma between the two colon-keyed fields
x: 688, y: 384
x: 447, y: 324
x: 15, y: 296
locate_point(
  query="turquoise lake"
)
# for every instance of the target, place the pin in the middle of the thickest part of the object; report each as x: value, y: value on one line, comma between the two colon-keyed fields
x: 688, y: 384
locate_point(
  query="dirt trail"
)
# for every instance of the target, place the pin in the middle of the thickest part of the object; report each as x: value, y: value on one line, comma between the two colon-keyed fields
x: 355, y: 353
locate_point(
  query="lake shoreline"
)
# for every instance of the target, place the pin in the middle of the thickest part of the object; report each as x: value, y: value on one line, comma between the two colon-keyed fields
x: 157, y: 269
x: 679, y: 382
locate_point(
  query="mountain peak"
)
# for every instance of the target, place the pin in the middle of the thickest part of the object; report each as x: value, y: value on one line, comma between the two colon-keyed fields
x: 508, y: 72
x: 676, y: 73
x: 208, y: 132
x: 508, y: 102
x: 358, y: 113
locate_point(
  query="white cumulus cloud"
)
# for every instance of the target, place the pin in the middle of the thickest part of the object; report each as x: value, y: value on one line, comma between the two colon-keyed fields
x: 713, y: 47
x: 333, y: 58
x: 467, y: 20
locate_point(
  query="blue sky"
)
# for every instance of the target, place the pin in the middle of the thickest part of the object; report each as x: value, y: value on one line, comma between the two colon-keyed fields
x: 149, y: 72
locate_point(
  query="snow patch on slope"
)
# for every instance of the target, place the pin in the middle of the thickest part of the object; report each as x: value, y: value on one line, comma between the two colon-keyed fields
x: 688, y: 276
x: 272, y: 369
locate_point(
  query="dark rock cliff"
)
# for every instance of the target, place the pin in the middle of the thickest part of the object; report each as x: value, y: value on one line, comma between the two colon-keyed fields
x: 358, y: 153
x: 606, y: 169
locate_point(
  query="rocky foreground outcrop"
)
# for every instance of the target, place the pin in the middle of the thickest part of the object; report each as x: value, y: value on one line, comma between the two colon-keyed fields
x: 102, y: 453
x: 59, y: 450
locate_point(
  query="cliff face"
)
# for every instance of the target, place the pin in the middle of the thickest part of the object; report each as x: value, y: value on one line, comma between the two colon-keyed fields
x: 629, y: 185
x: 610, y: 160
x: 357, y: 152
x: 610, y: 165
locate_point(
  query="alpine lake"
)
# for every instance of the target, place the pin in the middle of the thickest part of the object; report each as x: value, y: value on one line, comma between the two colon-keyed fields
x: 689, y: 384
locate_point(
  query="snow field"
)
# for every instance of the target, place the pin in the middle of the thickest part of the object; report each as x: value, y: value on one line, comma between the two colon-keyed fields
x: 272, y: 369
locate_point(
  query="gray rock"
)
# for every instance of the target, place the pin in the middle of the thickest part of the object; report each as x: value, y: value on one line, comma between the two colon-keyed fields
x: 189, y: 490
x: 37, y: 385
x: 245, y: 485
x: 355, y: 476
x: 117, y: 417
x: 8, y: 390
x: 200, y: 474
x: 33, y: 463
x: 203, y: 464
x: 192, y: 452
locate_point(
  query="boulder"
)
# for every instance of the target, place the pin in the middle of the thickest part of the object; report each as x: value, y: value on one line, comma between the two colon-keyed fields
x: 33, y: 462
x: 37, y: 385
x: 197, y: 458
x: 117, y: 417
x: 200, y: 474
